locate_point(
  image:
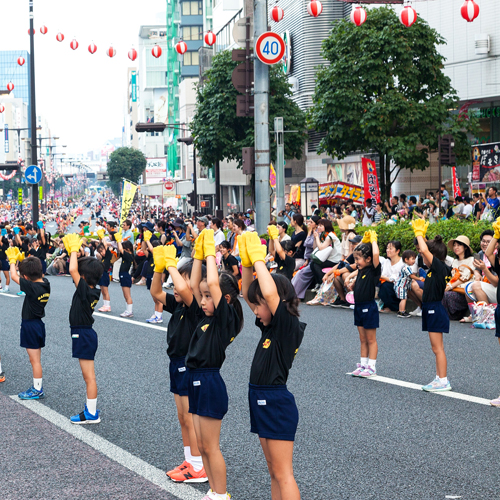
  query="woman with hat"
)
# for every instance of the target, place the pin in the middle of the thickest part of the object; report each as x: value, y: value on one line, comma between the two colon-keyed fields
x: 454, y: 300
x: 346, y: 225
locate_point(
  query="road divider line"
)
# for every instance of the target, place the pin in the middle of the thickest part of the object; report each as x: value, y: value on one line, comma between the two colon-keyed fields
x: 131, y: 321
x: 448, y: 394
x: 10, y: 296
x: 115, y: 453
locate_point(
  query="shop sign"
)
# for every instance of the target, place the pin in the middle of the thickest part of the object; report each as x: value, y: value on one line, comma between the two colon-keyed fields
x: 340, y: 191
x: 486, y: 162
x: 489, y: 112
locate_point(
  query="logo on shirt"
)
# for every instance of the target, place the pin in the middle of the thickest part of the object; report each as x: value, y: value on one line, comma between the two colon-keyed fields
x: 44, y: 297
x: 181, y: 317
x: 204, y: 328
x: 296, y: 351
x: 232, y: 338
x: 266, y: 344
x: 363, y: 277
x: 93, y: 304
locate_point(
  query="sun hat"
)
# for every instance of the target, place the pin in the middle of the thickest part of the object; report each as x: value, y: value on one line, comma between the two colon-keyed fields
x: 460, y: 239
x: 347, y: 222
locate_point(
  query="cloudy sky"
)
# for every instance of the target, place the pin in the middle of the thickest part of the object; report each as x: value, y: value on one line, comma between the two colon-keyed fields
x: 81, y: 95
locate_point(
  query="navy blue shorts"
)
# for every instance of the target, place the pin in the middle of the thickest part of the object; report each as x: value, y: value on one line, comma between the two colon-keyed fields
x: 179, y: 379
x: 84, y: 341
x: 149, y: 280
x: 32, y: 333
x: 435, y: 318
x: 104, y: 281
x: 125, y: 280
x: 5, y: 265
x: 366, y: 315
x: 207, y: 393
x: 44, y: 265
x: 497, y: 321
x: 273, y: 412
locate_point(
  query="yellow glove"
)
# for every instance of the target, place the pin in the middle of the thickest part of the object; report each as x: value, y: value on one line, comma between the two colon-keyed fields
x: 208, y: 243
x: 255, y: 249
x: 170, y: 256
x: 72, y: 243
x: 20, y: 257
x: 496, y: 228
x: 159, y: 258
x: 198, y: 246
x: 373, y: 236
x: 66, y: 244
x: 366, y: 237
x: 101, y: 233
x: 118, y: 237
x: 12, y: 254
x: 419, y: 227
x: 147, y: 235
x: 242, y: 247
x: 273, y: 233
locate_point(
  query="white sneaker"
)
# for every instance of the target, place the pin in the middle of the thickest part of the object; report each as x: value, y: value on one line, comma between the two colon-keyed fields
x: 4, y: 290
x: 126, y: 314
x: 416, y: 312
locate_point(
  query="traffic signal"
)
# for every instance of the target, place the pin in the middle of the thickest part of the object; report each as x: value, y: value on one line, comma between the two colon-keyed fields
x: 446, y: 153
x: 10, y: 167
x: 150, y: 127
x: 191, y: 199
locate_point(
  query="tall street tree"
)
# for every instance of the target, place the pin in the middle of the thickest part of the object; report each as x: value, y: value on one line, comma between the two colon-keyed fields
x: 385, y: 91
x: 125, y: 163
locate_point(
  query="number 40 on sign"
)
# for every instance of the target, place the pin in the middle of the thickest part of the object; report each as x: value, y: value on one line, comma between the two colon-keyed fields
x: 270, y: 48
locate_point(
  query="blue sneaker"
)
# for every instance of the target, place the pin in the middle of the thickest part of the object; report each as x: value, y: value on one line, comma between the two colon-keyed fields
x: 21, y: 294
x: 31, y: 393
x: 154, y: 319
x: 437, y: 386
x: 85, y: 417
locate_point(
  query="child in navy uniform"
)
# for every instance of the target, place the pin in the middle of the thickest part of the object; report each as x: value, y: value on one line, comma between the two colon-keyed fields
x: 86, y: 273
x: 208, y: 401
x: 106, y: 256
x: 186, y: 314
x: 4, y: 245
x: 273, y: 412
x: 366, y: 315
x: 282, y: 253
x: 435, y: 319
x: 37, y: 291
x: 126, y: 252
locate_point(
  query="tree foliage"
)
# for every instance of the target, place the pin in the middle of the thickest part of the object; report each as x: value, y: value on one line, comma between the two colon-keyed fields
x: 125, y: 163
x: 220, y: 135
x: 384, y: 90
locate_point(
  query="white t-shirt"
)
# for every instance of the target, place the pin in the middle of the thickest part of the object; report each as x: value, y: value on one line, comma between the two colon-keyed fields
x: 467, y: 210
x: 392, y: 271
x: 368, y: 214
x: 218, y: 237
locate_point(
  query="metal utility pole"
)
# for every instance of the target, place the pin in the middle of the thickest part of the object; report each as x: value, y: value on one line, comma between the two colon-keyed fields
x: 280, y: 167
x: 261, y: 122
x: 34, y: 159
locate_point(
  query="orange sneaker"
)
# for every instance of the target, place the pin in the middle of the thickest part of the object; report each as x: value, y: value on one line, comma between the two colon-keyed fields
x: 189, y: 475
x: 183, y: 466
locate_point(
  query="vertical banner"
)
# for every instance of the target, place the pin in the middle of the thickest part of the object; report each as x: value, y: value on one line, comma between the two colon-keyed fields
x: 6, y: 128
x: 40, y: 192
x: 134, y: 86
x: 20, y: 196
x: 456, y: 185
x: 272, y: 176
x: 370, y: 180
x: 129, y: 189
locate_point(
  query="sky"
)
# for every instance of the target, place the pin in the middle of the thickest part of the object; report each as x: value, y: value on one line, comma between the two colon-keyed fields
x: 82, y: 96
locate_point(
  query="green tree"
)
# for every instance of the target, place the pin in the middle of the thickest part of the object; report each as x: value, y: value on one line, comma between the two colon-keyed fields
x: 220, y: 135
x: 384, y: 90
x: 125, y: 163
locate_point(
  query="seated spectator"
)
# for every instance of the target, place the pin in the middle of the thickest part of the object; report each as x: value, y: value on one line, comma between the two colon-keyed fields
x: 298, y: 237
x: 282, y: 230
x: 229, y: 263
x: 329, y: 250
x: 391, y: 270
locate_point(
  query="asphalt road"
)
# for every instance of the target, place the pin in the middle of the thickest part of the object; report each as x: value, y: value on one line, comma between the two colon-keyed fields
x: 356, y: 438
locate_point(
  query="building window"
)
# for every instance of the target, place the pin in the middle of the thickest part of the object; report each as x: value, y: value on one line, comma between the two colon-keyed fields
x: 192, y: 33
x: 192, y: 8
x: 191, y: 59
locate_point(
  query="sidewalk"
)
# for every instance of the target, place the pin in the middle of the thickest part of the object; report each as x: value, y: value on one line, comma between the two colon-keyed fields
x: 38, y: 460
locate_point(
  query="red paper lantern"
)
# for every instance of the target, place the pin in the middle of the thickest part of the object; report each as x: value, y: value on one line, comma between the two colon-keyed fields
x: 277, y: 14
x: 210, y: 38
x: 469, y: 10
x: 181, y: 47
x: 2, y: 108
x: 21, y: 61
x: 29, y: 32
x: 92, y: 48
x: 43, y: 30
x: 60, y: 37
x: 358, y: 16
x: 74, y: 44
x: 10, y: 86
x: 156, y: 51
x: 111, y: 52
x: 408, y: 16
x: 315, y: 8
x: 132, y: 54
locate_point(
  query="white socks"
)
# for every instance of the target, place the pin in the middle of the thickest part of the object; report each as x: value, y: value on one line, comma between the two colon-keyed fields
x: 443, y: 381
x: 92, y: 406
x: 129, y: 307
x: 0, y: 367
x: 37, y: 384
x: 107, y: 303
x: 364, y: 361
x: 159, y: 314
x: 372, y: 363
x: 216, y: 496
x: 196, y: 462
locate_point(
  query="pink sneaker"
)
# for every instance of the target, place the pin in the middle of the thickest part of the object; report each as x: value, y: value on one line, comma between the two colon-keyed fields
x: 368, y: 372
x: 360, y: 368
x: 105, y: 309
x: 495, y: 402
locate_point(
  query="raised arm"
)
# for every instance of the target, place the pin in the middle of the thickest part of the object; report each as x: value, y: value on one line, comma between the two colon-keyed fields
x: 196, y: 270
x: 212, y: 271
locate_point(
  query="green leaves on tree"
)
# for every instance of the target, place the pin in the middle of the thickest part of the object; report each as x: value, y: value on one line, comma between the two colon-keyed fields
x: 125, y: 163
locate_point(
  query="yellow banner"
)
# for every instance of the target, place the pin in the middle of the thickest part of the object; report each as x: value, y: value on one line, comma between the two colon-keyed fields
x: 129, y: 189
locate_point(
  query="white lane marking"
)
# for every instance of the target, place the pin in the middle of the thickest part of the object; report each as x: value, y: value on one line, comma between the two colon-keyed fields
x: 8, y: 294
x: 131, y: 321
x: 448, y: 394
x: 131, y: 462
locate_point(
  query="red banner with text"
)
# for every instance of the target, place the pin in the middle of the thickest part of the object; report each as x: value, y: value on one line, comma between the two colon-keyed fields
x: 370, y: 180
x: 456, y: 185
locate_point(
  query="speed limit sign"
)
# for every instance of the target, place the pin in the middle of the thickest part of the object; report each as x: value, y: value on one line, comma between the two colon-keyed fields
x: 270, y: 48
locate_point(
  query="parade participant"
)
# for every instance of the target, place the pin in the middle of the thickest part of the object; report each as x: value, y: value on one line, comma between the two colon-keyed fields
x: 186, y: 314
x: 435, y: 320
x: 208, y: 400
x: 157, y: 317
x: 106, y: 256
x: 126, y: 252
x: 2, y: 373
x: 86, y: 273
x: 281, y: 252
x: 366, y: 316
x: 4, y: 245
x: 37, y: 290
x: 275, y: 305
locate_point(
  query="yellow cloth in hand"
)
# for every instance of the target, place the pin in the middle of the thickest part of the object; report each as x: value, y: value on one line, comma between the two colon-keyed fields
x: 12, y: 254
x: 255, y: 249
x: 159, y: 258
x: 242, y: 247
x: 198, y: 246
x: 170, y: 256
x: 208, y: 243
x: 273, y: 233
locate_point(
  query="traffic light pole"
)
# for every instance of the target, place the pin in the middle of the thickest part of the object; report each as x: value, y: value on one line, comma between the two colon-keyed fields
x: 261, y: 123
x: 34, y: 160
